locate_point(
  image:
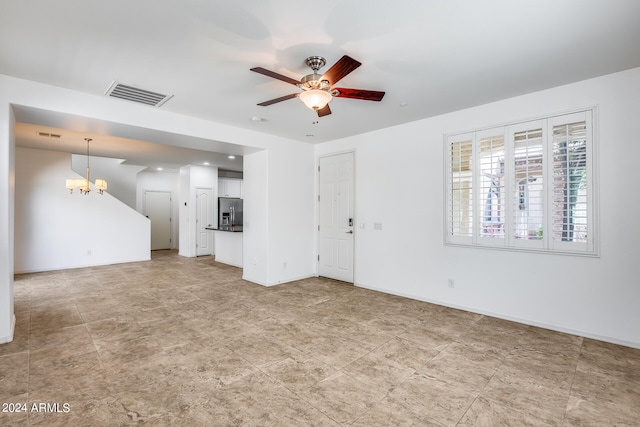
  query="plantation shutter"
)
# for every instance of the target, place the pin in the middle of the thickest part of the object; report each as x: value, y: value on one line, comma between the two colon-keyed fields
x: 527, y: 185
x: 460, y: 189
x: 492, y: 200
x: 571, y: 186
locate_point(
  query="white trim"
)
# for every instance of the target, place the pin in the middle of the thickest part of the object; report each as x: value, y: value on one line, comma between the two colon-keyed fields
x: 70, y: 267
x: 529, y: 322
x: 267, y: 285
x: 9, y: 338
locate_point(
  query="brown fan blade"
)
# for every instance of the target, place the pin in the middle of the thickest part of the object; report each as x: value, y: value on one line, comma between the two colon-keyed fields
x: 276, y: 100
x: 275, y: 75
x: 340, y: 69
x: 325, y: 111
x: 368, y: 95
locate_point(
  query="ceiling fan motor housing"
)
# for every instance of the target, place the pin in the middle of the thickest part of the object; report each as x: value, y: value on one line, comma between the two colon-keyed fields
x: 313, y: 81
x: 315, y: 62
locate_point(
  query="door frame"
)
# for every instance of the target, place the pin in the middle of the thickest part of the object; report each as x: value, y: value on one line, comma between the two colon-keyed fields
x: 355, y: 209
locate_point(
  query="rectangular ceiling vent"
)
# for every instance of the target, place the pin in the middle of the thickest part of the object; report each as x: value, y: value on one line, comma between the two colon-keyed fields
x: 134, y: 94
x: 48, y: 135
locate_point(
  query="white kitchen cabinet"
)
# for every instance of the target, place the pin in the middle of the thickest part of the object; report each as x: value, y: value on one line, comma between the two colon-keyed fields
x: 230, y: 187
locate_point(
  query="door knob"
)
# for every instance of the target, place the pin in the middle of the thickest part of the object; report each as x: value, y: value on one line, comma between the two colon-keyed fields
x: 348, y: 232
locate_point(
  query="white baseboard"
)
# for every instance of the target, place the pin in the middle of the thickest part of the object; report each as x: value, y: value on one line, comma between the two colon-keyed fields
x: 8, y: 339
x: 70, y: 267
x: 529, y: 322
x: 257, y: 282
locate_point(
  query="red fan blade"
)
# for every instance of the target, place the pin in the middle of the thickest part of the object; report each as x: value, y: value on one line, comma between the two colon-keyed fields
x: 325, y: 111
x: 368, y: 95
x: 275, y: 75
x: 340, y: 69
x: 276, y: 100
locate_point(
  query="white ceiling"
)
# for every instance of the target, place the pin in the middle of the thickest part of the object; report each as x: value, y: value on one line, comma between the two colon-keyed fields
x: 429, y: 56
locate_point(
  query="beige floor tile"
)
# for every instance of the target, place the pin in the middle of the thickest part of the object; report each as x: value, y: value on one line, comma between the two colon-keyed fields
x: 486, y: 413
x: 616, y: 391
x: 185, y: 341
x: 16, y: 411
x: 456, y: 369
x: 423, y: 335
x: 597, y: 356
x: 299, y: 372
x: 341, y: 397
x: 526, y: 394
x: 14, y: 376
x: 443, y: 402
x: 588, y: 413
x: 389, y: 412
x: 60, y: 342
x: 55, y: 316
x: 379, y: 372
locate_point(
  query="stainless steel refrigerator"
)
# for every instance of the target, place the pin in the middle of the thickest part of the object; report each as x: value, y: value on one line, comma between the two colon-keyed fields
x: 229, y: 211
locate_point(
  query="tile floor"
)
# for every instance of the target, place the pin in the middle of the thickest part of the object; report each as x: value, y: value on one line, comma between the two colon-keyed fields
x: 183, y: 341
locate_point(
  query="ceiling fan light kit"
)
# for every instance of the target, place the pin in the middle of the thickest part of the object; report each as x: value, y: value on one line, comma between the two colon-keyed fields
x: 317, y: 89
x: 315, y: 99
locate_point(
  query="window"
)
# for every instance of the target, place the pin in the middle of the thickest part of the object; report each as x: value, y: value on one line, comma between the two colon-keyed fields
x: 526, y: 186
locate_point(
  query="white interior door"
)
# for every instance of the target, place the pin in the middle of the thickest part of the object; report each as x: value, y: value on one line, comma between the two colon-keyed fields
x: 336, y: 217
x: 204, y: 219
x: 157, y: 207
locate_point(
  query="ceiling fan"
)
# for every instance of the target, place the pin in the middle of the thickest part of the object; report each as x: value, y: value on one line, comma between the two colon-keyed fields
x: 318, y: 90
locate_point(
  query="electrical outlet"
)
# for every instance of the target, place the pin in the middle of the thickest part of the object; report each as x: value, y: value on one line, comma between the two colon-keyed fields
x: 450, y: 283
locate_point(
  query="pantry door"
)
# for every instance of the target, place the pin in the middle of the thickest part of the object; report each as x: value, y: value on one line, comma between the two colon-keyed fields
x: 204, y: 220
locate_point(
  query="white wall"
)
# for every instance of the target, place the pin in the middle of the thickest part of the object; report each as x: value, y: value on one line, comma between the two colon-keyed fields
x: 192, y: 177
x: 7, y: 192
x: 256, y: 217
x: 400, y: 174
x: 291, y: 178
x: 185, y: 239
x: 57, y: 230
x: 273, y: 209
x: 161, y: 181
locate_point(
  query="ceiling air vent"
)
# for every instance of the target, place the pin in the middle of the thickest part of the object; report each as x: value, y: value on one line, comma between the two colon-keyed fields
x: 134, y: 94
x: 49, y: 135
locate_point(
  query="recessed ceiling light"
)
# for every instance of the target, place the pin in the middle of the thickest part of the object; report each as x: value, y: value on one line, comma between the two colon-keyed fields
x: 206, y: 163
x: 231, y: 156
x: 158, y: 169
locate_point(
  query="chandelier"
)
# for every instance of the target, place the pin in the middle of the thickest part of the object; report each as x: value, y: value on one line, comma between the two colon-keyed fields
x: 84, y: 184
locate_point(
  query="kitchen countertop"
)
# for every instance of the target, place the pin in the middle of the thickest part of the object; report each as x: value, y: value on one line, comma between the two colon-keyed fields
x: 229, y: 228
